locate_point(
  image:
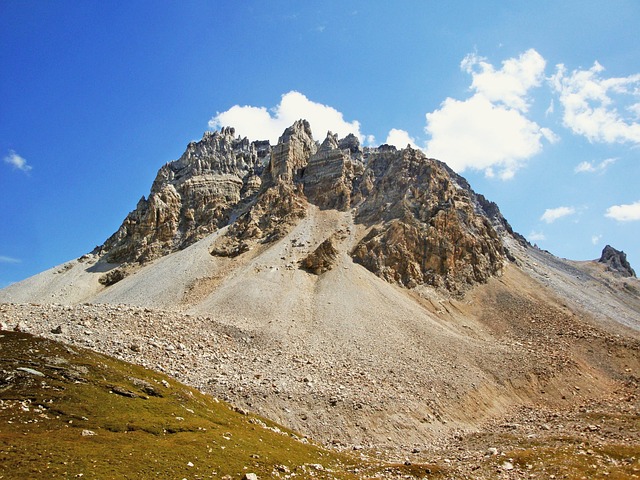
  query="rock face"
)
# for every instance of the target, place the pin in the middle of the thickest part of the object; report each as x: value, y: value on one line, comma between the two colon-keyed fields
x: 424, y: 224
x: 191, y: 197
x: 321, y: 259
x: 329, y: 175
x: 292, y: 152
x: 616, y: 261
x: 429, y: 227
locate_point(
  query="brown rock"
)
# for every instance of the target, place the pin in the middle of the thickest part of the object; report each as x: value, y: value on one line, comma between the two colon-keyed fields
x: 321, y: 259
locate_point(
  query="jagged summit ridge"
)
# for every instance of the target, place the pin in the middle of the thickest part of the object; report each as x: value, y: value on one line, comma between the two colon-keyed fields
x: 424, y: 224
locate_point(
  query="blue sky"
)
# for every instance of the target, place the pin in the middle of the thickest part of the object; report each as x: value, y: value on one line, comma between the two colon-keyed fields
x: 537, y: 104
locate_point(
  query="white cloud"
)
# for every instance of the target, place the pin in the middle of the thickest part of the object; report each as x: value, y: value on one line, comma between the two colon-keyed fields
x: 5, y: 259
x: 595, y: 239
x: 480, y: 135
x: 590, y: 108
x: 258, y: 123
x: 400, y: 139
x: 550, y: 109
x: 510, y: 84
x: 17, y: 162
x: 550, y: 215
x: 536, y: 236
x: 591, y: 167
x: 489, y: 131
x: 624, y: 213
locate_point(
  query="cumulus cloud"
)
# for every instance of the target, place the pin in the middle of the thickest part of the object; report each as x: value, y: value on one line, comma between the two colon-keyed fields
x: 509, y: 85
x: 5, y: 259
x: 602, y: 109
x: 592, y: 167
x: 17, y: 162
x: 400, y: 138
x: 268, y: 124
x: 550, y: 215
x: 489, y: 131
x: 624, y: 213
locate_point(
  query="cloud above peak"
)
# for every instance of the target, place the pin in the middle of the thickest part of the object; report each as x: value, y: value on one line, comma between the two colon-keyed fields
x: 624, y: 213
x: 490, y: 130
x: 268, y: 124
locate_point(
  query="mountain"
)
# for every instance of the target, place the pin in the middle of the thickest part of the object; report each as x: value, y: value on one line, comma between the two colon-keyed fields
x: 430, y: 227
x: 364, y: 296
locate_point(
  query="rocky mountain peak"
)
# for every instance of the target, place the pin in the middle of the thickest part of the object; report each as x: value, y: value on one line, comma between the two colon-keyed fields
x: 422, y: 223
x: 351, y: 143
x: 616, y: 262
x: 292, y: 152
x: 330, y: 142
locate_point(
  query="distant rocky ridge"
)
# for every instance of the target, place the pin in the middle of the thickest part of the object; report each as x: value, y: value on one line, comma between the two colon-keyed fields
x: 616, y: 262
x: 425, y: 224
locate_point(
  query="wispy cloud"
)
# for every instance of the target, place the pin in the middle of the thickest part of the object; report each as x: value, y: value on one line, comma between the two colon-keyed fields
x: 595, y: 239
x: 5, y: 259
x: 599, y: 108
x: 536, y: 236
x: 624, y: 213
x: 268, y: 124
x: 592, y: 167
x: 490, y: 130
x: 550, y: 215
x: 17, y: 162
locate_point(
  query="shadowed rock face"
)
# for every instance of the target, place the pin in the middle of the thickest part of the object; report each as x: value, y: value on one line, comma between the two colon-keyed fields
x: 616, y: 261
x: 426, y: 225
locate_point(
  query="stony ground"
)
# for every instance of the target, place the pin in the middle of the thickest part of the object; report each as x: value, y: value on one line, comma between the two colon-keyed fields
x: 533, y: 441
x: 524, y: 365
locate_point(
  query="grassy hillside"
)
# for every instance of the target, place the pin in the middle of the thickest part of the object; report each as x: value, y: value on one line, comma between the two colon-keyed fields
x: 72, y: 413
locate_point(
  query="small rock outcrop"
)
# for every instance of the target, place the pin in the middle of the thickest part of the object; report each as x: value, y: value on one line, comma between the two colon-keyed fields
x: 112, y: 277
x: 322, y: 259
x: 616, y: 262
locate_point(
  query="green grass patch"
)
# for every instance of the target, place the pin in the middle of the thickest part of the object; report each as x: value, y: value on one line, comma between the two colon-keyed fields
x: 91, y: 415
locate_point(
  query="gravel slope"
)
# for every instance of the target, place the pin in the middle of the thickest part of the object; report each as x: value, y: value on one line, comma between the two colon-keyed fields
x: 345, y: 356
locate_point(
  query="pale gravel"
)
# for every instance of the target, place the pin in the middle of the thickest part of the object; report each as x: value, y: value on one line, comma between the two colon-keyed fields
x: 344, y: 357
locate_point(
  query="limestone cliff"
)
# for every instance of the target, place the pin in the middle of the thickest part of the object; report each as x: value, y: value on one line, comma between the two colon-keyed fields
x: 424, y: 224
x: 191, y: 197
x: 429, y: 228
x: 330, y: 173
